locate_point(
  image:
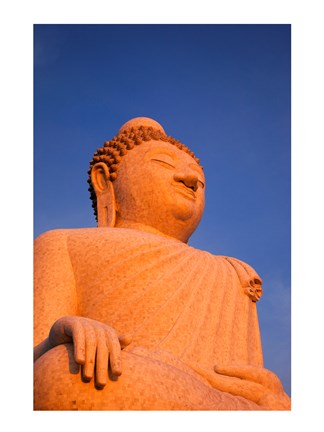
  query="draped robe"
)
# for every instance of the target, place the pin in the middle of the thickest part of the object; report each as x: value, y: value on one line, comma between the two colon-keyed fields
x: 186, y: 310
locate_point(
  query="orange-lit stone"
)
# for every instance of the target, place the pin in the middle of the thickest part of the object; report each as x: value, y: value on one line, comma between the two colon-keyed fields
x: 128, y: 316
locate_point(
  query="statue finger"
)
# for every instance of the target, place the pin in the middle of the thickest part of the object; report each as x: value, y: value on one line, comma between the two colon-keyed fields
x: 78, y: 336
x: 114, y: 352
x: 102, y: 358
x: 90, y: 352
x: 240, y: 387
x: 233, y: 385
x: 255, y: 374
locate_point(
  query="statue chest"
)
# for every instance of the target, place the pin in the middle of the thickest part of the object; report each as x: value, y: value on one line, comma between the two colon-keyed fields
x: 163, y: 293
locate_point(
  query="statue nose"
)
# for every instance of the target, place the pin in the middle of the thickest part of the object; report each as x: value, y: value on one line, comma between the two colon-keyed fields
x: 188, y: 179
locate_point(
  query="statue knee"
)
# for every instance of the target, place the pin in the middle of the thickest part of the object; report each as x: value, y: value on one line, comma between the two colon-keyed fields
x: 56, y: 375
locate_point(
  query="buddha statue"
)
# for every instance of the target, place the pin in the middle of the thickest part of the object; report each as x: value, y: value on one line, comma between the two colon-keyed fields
x: 128, y: 316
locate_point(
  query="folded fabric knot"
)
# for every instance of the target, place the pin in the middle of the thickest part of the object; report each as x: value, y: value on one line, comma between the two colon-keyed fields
x: 249, y: 279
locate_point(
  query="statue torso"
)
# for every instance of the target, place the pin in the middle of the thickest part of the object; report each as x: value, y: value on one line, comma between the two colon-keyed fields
x: 166, y: 294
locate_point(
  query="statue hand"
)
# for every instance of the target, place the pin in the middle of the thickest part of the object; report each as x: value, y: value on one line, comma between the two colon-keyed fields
x: 254, y: 383
x: 95, y: 344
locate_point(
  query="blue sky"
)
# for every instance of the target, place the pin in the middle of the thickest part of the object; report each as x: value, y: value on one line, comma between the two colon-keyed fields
x: 223, y: 90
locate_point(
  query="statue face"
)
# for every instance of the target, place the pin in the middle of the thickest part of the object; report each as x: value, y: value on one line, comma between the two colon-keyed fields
x: 160, y: 186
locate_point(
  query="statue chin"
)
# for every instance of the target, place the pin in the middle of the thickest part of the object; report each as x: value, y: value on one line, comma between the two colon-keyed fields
x: 183, y: 225
x: 179, y: 221
x: 187, y: 220
x: 183, y: 213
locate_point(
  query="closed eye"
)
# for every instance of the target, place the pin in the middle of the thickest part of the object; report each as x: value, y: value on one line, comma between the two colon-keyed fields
x: 163, y: 163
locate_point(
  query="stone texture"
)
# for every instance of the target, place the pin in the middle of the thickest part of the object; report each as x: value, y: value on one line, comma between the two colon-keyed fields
x: 128, y: 316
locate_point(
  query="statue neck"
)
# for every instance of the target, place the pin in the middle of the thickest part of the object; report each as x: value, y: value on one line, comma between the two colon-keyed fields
x: 122, y: 223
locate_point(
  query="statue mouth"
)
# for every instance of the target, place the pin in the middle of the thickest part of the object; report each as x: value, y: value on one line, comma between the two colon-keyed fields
x: 185, y: 191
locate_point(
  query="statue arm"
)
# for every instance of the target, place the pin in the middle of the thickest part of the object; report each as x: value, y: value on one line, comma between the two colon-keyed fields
x: 54, y: 285
x: 250, y: 381
x: 56, y: 319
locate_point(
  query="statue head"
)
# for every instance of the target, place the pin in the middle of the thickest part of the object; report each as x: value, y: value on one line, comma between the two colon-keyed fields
x: 142, y: 177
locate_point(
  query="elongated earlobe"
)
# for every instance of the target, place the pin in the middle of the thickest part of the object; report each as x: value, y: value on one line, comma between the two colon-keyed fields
x: 106, y: 203
x: 106, y: 208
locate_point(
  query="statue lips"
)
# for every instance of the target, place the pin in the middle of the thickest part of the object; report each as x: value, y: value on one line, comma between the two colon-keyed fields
x: 185, y: 190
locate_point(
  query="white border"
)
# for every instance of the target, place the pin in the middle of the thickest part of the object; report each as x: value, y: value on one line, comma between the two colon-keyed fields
x: 17, y: 213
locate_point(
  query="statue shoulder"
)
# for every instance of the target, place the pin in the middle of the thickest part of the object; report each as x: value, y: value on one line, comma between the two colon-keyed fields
x: 60, y: 236
x: 250, y: 281
x: 80, y: 242
x: 52, y: 235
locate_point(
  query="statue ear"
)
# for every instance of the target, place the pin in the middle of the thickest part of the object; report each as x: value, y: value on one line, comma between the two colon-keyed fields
x: 106, y: 202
